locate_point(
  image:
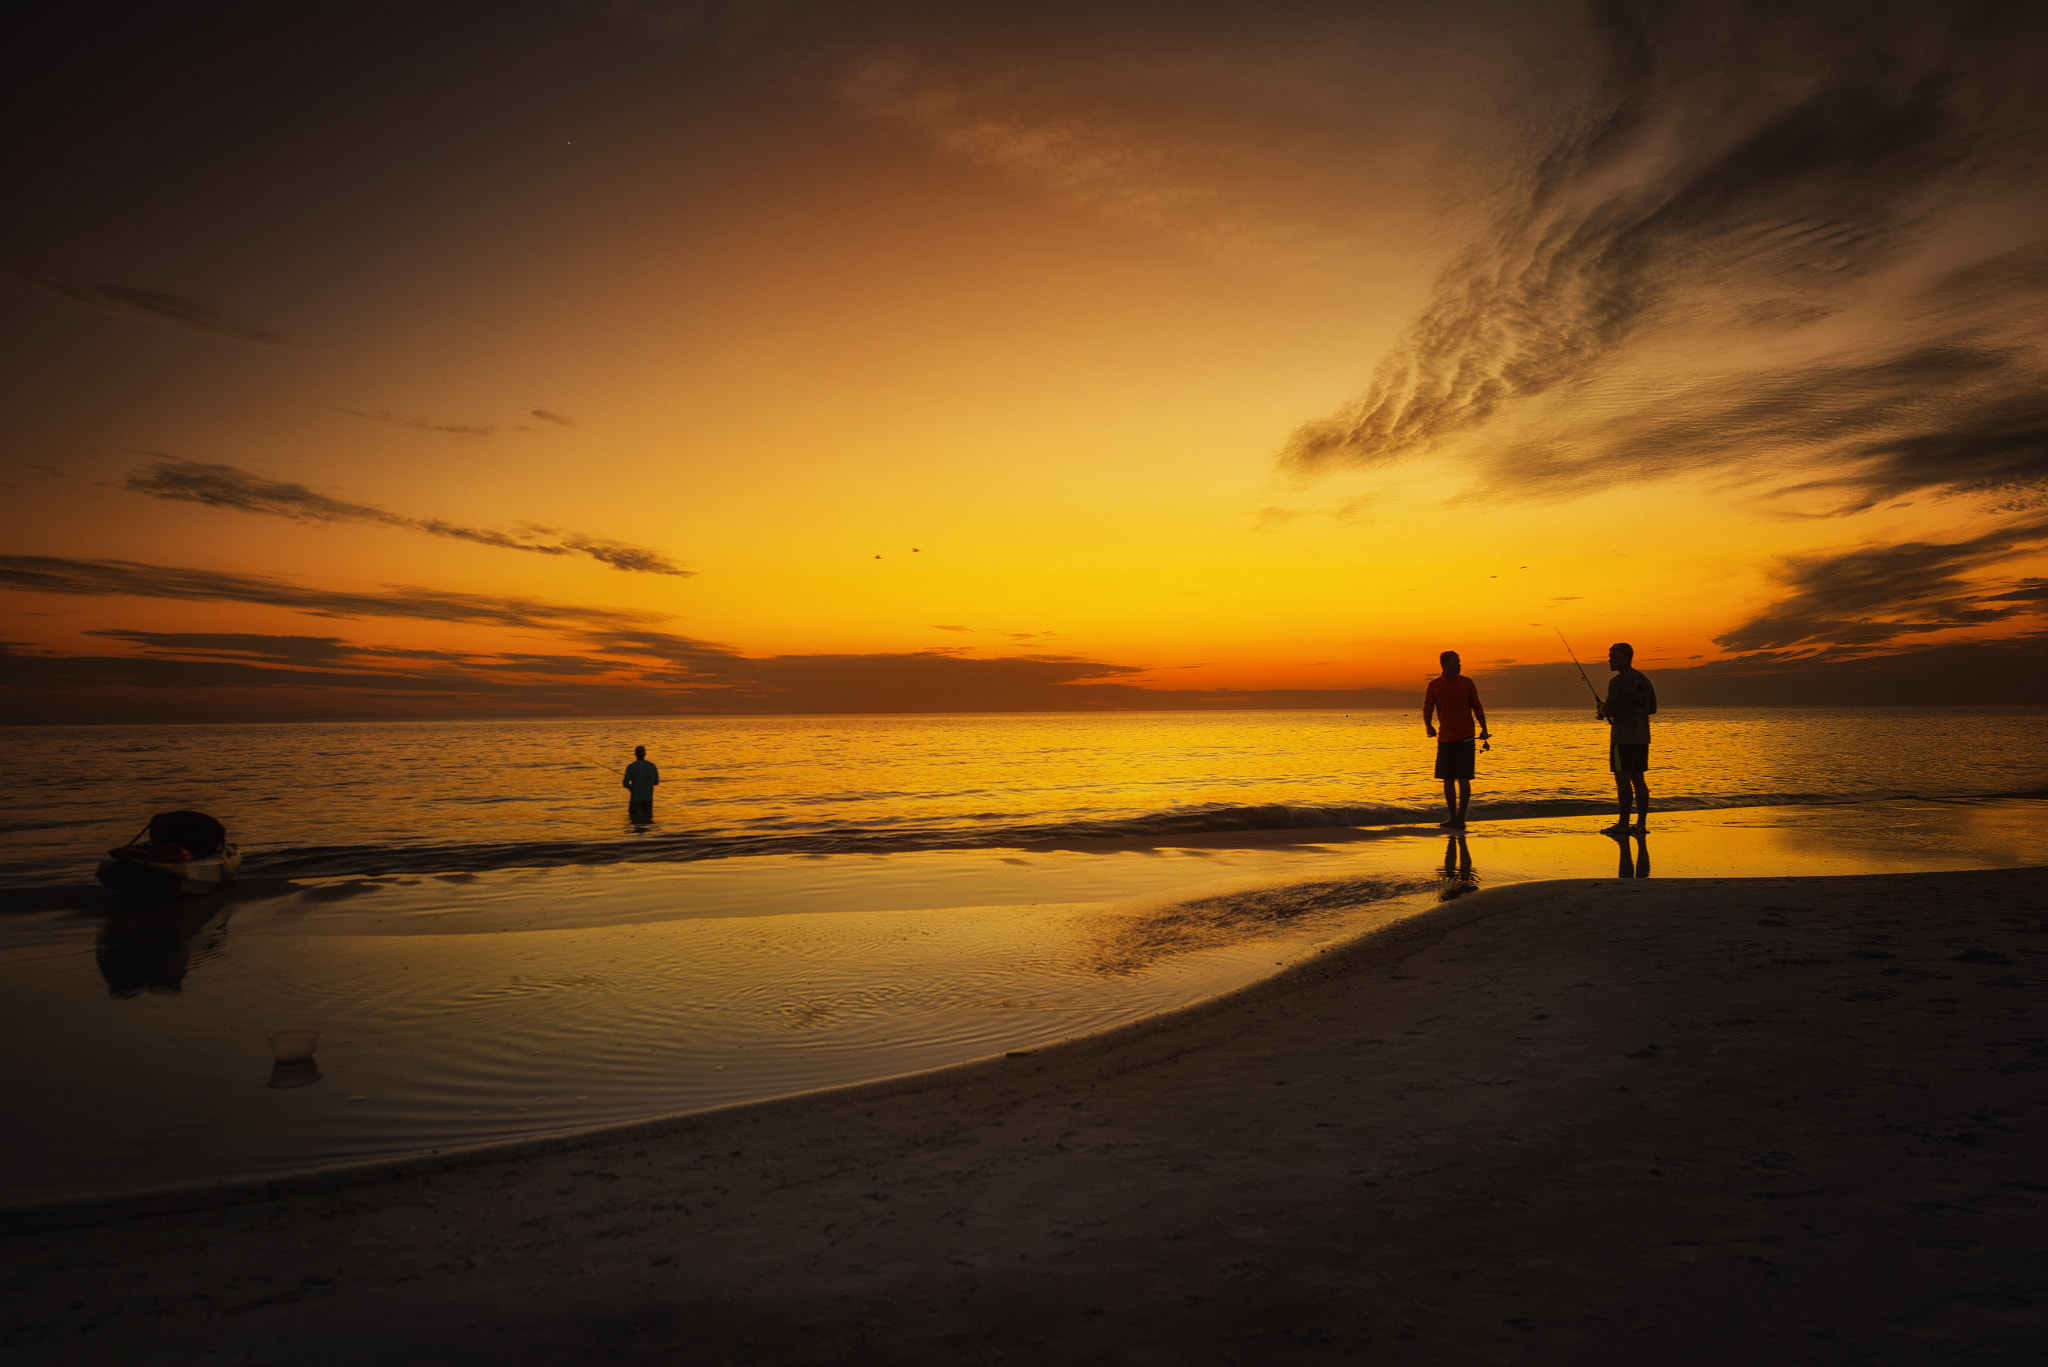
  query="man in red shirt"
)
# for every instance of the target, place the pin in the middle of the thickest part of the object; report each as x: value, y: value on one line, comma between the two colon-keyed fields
x: 1448, y: 707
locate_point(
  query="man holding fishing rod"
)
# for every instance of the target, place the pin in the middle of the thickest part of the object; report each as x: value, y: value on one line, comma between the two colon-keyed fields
x: 1626, y: 709
x: 1630, y: 701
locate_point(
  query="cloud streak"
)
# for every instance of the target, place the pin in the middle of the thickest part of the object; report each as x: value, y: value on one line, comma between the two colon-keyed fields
x: 225, y: 486
x: 239, y: 675
x: 1844, y: 602
x: 137, y: 304
x: 452, y: 429
x: 132, y: 579
x: 1235, y: 132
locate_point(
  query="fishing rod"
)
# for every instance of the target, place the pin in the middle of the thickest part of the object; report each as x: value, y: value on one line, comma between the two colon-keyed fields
x: 1581, y: 668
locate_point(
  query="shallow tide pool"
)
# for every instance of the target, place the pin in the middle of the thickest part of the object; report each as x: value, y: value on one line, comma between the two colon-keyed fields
x: 471, y: 1008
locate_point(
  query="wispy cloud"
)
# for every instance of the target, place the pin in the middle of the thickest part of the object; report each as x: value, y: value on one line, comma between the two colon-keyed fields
x: 1852, y: 600
x: 128, y: 578
x: 1746, y: 170
x: 225, y: 486
x: 1741, y: 254
x: 453, y: 429
x: 1235, y: 132
x: 142, y: 305
x: 623, y: 668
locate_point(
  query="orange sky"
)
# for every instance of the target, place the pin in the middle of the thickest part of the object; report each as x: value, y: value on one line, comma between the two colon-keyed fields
x: 1046, y: 296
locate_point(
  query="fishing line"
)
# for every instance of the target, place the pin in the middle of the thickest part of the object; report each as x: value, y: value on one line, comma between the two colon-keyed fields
x: 1581, y: 668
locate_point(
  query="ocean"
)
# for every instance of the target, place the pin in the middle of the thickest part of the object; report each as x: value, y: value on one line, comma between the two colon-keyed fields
x: 382, y: 798
x: 489, y: 948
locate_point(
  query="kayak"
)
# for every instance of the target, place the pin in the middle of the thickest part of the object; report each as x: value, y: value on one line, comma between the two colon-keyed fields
x: 151, y: 880
x: 177, y: 854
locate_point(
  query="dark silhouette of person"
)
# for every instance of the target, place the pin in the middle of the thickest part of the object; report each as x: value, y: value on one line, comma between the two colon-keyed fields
x: 1630, y: 701
x: 1448, y: 706
x: 1632, y: 862
x: 1458, y: 877
x: 641, y: 778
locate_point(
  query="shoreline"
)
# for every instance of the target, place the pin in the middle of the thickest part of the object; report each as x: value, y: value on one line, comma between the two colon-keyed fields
x: 76, y: 1211
x: 1694, y: 1120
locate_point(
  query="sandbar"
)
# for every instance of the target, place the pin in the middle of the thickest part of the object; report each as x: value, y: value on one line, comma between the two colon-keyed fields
x: 1741, y: 1120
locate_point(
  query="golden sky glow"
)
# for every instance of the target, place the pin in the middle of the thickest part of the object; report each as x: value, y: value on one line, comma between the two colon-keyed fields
x: 1047, y: 296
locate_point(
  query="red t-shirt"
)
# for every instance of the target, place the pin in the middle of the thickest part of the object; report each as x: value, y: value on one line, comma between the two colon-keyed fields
x: 1453, y: 701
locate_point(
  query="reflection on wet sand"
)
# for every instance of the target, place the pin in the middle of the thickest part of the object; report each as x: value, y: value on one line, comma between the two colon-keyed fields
x: 1458, y: 876
x: 299, y: 1073
x: 471, y: 1008
x: 1125, y: 942
x: 150, y: 948
x: 1635, y: 863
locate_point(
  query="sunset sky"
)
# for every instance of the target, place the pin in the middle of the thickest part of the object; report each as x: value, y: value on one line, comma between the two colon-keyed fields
x: 438, y: 359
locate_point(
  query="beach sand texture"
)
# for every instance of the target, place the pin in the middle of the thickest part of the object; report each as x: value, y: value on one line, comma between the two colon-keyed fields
x: 1758, y: 1120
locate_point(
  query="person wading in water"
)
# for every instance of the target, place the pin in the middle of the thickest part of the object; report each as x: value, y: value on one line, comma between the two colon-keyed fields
x: 1452, y: 700
x: 641, y: 778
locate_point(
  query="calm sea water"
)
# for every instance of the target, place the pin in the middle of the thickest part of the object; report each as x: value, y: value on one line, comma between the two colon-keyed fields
x: 489, y: 948
x: 371, y: 798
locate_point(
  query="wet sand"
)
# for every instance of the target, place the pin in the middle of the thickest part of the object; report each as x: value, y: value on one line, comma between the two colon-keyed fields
x: 457, y: 1010
x: 1673, y: 1121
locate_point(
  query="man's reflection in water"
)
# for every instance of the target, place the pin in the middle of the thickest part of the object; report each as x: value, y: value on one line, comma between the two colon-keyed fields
x: 1457, y: 871
x: 1635, y: 863
x: 149, y: 949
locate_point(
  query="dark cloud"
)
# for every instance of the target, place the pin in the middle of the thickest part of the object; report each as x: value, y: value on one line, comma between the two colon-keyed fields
x: 46, y: 686
x: 283, y: 649
x: 253, y: 647
x: 2025, y: 591
x: 558, y: 419
x: 224, y: 486
x: 622, y: 556
x: 1871, y: 596
x: 128, y: 578
x: 453, y: 429
x: 1747, y: 168
x: 289, y: 650
x: 147, y: 306
x: 159, y: 686
x: 1952, y: 416
x: 700, y: 657
x: 188, y: 674
x: 2010, y: 671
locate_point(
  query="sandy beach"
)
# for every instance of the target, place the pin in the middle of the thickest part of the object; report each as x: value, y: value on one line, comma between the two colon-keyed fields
x: 1694, y: 1120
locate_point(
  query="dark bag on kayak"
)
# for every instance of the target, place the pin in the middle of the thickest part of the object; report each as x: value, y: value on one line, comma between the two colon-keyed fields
x: 198, y: 833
